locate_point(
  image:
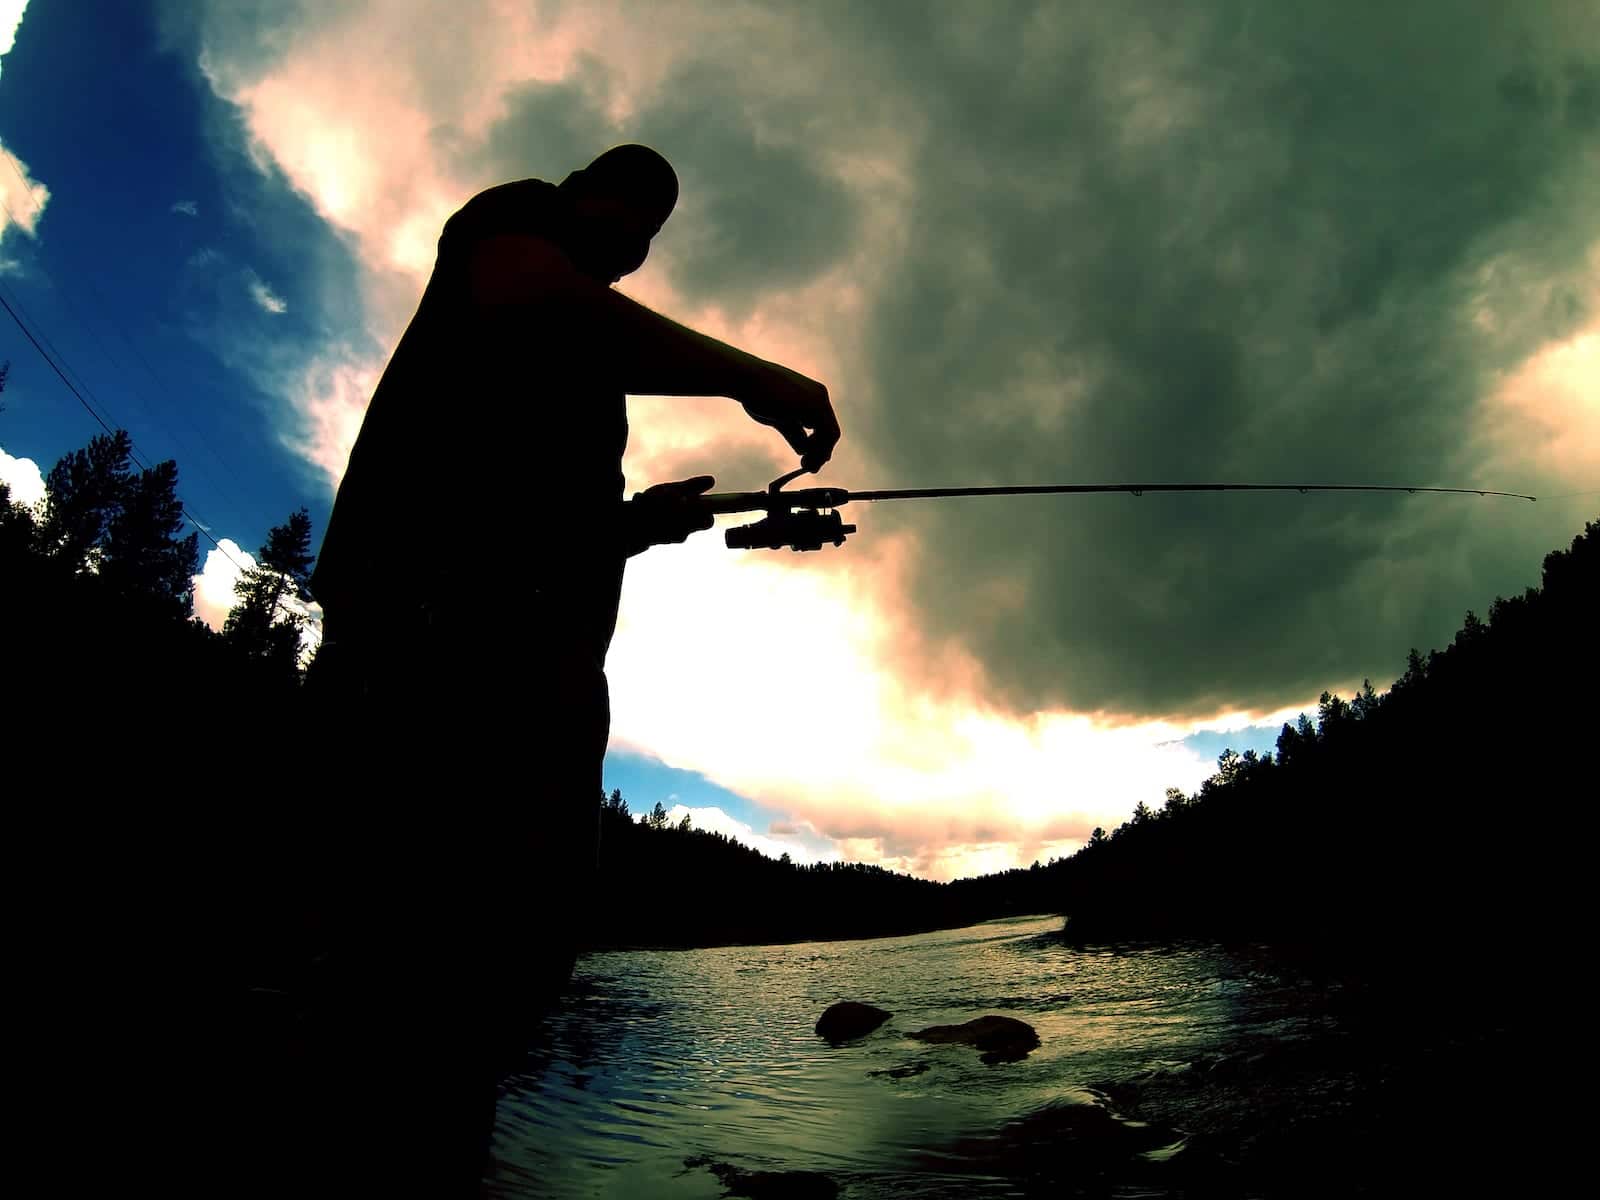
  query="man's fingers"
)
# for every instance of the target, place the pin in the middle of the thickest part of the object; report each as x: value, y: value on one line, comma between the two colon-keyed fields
x: 796, y: 436
x: 681, y: 489
x: 816, y: 454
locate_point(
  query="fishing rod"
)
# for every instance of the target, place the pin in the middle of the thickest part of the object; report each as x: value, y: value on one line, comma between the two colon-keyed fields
x: 808, y: 518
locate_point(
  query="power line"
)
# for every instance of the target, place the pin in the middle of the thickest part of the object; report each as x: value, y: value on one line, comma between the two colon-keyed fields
x: 150, y: 409
x: 28, y: 333
x: 60, y: 368
x: 133, y: 452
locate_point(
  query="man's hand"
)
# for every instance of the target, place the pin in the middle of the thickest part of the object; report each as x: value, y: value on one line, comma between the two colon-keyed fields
x: 793, y: 404
x: 667, y: 512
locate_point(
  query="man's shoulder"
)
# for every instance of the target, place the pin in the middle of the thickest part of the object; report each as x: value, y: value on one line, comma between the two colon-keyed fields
x: 532, y: 206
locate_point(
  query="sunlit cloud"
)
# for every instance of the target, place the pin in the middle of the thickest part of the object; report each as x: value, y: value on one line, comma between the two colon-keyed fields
x: 331, y: 395
x: 187, y: 208
x: 1546, y: 412
x: 774, y: 843
x: 24, y: 478
x: 22, y: 197
x: 214, y: 595
x: 10, y: 21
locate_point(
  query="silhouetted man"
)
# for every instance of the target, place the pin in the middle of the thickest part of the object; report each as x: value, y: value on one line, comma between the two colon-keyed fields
x: 470, y: 578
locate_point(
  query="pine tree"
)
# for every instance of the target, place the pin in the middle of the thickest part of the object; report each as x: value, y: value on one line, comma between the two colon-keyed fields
x: 102, y: 517
x: 143, y: 554
x: 16, y: 527
x: 83, y: 494
x: 16, y: 521
x: 262, y: 625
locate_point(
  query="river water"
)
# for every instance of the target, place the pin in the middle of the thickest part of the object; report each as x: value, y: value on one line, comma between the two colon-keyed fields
x: 1183, y: 1069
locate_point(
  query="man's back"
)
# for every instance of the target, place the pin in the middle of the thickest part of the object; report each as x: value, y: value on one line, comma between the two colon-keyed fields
x: 536, y: 477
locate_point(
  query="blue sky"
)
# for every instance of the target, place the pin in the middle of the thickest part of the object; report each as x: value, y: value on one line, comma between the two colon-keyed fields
x: 1021, y: 243
x: 150, y: 308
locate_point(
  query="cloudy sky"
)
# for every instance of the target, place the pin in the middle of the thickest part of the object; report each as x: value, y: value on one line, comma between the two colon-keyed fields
x: 1021, y: 243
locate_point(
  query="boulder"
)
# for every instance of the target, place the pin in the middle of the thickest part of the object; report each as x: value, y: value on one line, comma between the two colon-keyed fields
x: 1001, y: 1039
x: 902, y: 1072
x: 848, y: 1020
x: 768, y: 1185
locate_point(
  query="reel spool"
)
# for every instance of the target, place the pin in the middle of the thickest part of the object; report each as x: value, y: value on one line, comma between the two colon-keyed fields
x: 799, y: 529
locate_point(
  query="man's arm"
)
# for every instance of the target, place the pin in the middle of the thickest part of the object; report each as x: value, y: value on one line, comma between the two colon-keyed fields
x: 648, y: 354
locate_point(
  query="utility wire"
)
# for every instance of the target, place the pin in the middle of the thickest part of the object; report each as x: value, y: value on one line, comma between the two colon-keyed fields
x: 150, y: 409
x: 133, y: 450
x: 133, y: 453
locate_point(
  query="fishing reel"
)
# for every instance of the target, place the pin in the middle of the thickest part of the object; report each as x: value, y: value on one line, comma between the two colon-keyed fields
x: 802, y: 520
x: 798, y: 529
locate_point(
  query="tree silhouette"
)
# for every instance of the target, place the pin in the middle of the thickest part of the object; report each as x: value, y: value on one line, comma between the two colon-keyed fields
x: 615, y: 804
x: 16, y: 522
x: 104, y: 518
x: 261, y: 625
x: 83, y: 494
x: 143, y: 554
x: 1378, y: 833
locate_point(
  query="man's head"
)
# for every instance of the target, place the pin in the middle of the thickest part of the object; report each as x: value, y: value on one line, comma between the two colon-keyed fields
x: 620, y: 201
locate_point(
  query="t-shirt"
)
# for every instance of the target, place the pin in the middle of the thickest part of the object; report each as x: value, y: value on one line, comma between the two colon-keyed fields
x: 487, y: 477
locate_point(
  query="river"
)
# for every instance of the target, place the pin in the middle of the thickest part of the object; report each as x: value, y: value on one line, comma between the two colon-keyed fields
x: 1174, y: 1069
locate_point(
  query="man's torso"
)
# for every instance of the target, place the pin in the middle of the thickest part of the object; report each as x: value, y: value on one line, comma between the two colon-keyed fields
x: 487, y: 474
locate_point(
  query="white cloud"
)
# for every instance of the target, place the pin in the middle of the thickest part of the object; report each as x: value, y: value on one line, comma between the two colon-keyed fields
x: 186, y: 207
x: 265, y: 297
x: 331, y: 396
x: 22, y: 474
x: 773, y: 845
x: 214, y: 596
x: 22, y: 198
x: 10, y: 21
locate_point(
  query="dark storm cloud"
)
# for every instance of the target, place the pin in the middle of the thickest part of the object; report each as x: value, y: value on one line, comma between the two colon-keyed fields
x: 548, y: 130
x: 1240, y: 241
x: 1253, y: 241
x: 1150, y: 242
x: 753, y: 215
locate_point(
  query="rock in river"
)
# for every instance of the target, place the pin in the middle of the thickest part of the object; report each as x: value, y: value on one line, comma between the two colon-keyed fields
x: 848, y: 1020
x: 1001, y: 1039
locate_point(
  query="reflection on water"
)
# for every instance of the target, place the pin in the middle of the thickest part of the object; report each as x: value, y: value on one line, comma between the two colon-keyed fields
x: 681, y: 1073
